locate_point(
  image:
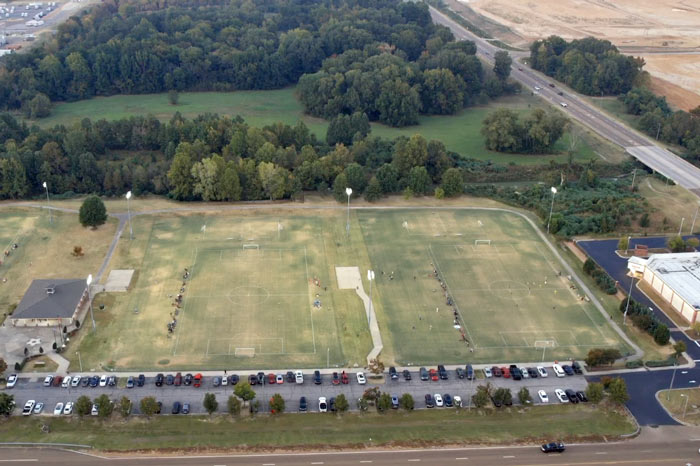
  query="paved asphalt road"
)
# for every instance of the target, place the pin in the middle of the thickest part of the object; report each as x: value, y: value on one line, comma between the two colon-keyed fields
x: 677, y: 451
x: 636, y: 144
x: 643, y: 386
x: 28, y: 389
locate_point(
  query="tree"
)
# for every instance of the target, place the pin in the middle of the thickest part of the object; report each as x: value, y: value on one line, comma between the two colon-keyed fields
x: 244, y: 391
x: 39, y: 107
x: 501, y: 66
x: 406, y: 402
x: 419, y: 181
x: 273, y: 179
x: 644, y: 220
x: 3, y: 366
x: 594, y: 392
x: 234, y: 405
x: 524, y: 396
x: 7, y: 404
x: 105, y: 407
x: 180, y: 173
x: 676, y: 244
x: 341, y: 403
x: 93, y: 212
x: 173, y: 97
x: 679, y: 348
x: 452, y: 182
x: 481, y: 397
x: 210, y: 403
x: 376, y: 366
x: 384, y: 402
x: 148, y: 406
x: 277, y: 404
x: 374, y: 190
x: 618, y: 391
x: 623, y: 244
x: 662, y: 334
x: 339, y: 185
x: 83, y: 405
x: 124, y: 406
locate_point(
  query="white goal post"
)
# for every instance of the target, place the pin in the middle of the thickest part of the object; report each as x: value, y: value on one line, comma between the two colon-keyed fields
x: 487, y: 242
x: 251, y: 246
x: 244, y: 352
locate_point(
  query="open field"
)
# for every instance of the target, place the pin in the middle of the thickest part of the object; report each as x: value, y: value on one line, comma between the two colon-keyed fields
x: 678, y: 97
x: 669, y: 201
x: 459, y: 133
x: 508, y: 294
x: 682, y: 70
x: 424, y: 427
x: 45, y: 249
x: 683, y: 404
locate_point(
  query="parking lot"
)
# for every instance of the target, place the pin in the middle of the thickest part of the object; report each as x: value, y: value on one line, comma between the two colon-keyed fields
x: 33, y: 389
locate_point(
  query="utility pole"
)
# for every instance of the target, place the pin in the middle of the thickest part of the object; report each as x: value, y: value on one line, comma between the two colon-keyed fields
x: 551, y: 209
x: 348, y: 191
x: 128, y: 210
x: 48, y: 206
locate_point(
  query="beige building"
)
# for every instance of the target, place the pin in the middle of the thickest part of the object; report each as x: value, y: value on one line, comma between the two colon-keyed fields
x: 675, y: 277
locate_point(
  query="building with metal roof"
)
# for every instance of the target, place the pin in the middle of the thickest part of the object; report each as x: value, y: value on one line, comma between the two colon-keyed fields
x: 50, y: 302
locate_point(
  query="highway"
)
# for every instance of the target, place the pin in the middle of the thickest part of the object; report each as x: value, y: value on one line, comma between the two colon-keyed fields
x: 637, y: 145
x: 675, y: 448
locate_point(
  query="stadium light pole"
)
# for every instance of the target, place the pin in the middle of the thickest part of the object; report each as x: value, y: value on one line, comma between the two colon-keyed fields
x: 681, y: 227
x: 370, y: 277
x: 629, y: 296
x: 48, y: 205
x: 348, y: 191
x: 128, y: 213
x: 92, y: 316
x: 670, y: 387
x: 551, y: 209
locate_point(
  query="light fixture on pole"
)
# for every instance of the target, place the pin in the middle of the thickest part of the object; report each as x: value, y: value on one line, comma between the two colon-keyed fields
x: 370, y: 277
x: 92, y: 316
x: 681, y: 227
x: 670, y: 387
x: 629, y: 296
x: 128, y: 210
x: 551, y: 209
x: 48, y: 206
x: 348, y: 191
x: 685, y: 409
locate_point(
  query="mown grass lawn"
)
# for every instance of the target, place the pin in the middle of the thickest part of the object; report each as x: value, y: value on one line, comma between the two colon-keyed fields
x: 423, y: 427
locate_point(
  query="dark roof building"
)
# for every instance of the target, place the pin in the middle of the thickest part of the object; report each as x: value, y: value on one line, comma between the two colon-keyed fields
x: 48, y: 300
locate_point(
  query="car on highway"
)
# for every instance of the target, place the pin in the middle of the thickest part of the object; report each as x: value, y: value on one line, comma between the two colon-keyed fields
x: 542, y: 371
x: 322, y: 405
x: 543, y: 396
x: 561, y: 395
x: 68, y: 408
x: 429, y: 402
x: 58, y: 409
x: 11, y: 381
x: 538, y: 88
x: 38, y: 408
x: 438, y: 400
x: 406, y: 375
x: 103, y: 381
x: 553, y: 447
x: 302, y: 404
x: 563, y: 104
x: 28, y: 407
x: 317, y: 377
x: 361, y: 378
x: 75, y: 381
x: 299, y: 377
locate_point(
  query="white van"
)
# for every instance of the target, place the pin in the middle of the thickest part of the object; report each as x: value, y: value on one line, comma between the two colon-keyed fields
x: 558, y: 371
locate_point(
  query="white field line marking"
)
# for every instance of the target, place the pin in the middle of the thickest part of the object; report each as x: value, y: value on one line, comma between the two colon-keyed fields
x: 311, y: 316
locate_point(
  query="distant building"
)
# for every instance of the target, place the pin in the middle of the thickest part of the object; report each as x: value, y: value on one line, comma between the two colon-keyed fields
x: 51, y: 303
x: 675, y: 277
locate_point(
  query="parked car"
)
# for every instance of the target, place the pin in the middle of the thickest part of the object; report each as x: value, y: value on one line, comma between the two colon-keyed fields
x: 576, y: 367
x: 68, y: 408
x: 94, y: 411
x: 543, y: 396
x: 176, y: 407
x: 322, y: 404
x: 496, y: 402
x: 234, y: 379
x: 515, y: 372
x: 290, y: 377
x: 159, y: 408
x: 406, y: 374
x: 487, y: 373
x: 506, y: 372
x: 299, y: 377
x: 271, y: 378
x: 170, y: 379
x: 394, y: 402
x: 159, y: 380
x: 85, y: 381
x: 103, y: 381
x: 424, y: 374
x: 140, y: 380
x: 12, y: 381
x: 252, y: 379
x: 558, y: 370
x: 344, y: 378
x: 442, y: 373
x: 581, y: 396
x: 524, y: 373
x: 496, y: 371
x: 438, y: 400
x: 447, y: 398
x: 393, y: 374
x: 112, y: 380
x: 28, y: 408
x: 302, y: 404
x: 542, y: 371
x: 457, y: 400
x: 94, y: 381
x: 336, y: 379
x: 261, y: 378
x: 571, y: 395
x: 567, y: 369
x: 331, y: 405
x: 66, y: 382
x: 75, y: 381
x: 57, y: 381
x: 197, y: 380
x: 38, y: 408
x: 533, y: 372
x: 470, y: 372
x: 561, y: 394
x: 217, y: 381
x: 188, y: 379
x: 58, y: 410
x: 361, y: 378
x: 130, y: 382
x: 317, y: 377
x: 429, y: 402
x: 178, y: 379
x: 461, y: 373
x: 434, y: 375
x: 553, y: 447
x: 185, y: 408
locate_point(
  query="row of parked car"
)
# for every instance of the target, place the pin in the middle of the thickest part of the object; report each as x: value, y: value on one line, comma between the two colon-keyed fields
x: 517, y: 373
x: 79, y: 381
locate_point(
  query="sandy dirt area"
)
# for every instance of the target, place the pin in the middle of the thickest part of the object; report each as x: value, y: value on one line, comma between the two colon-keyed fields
x: 677, y: 77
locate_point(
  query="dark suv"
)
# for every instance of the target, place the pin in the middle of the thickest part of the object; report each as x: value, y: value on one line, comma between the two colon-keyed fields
x: 442, y: 373
x: 317, y: 377
x: 470, y: 372
x: 393, y: 374
x: 141, y: 380
x: 424, y: 374
x: 515, y: 372
x: 576, y: 367
x: 159, y: 380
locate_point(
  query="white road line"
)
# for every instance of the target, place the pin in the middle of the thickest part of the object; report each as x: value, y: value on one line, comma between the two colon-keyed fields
x: 317, y: 462
x: 268, y: 464
x: 601, y: 453
x: 27, y: 460
x: 366, y: 461
x: 509, y: 456
x: 462, y: 458
x: 413, y: 460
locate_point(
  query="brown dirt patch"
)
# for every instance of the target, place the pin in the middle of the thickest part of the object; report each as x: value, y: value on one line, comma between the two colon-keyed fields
x: 677, y: 96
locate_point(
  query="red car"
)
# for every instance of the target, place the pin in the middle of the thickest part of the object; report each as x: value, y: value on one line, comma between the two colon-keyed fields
x: 336, y: 379
x: 271, y: 378
x: 198, y: 380
x: 344, y: 378
x: 434, y: 375
x: 496, y: 371
x: 178, y: 379
x: 506, y: 372
x: 57, y: 381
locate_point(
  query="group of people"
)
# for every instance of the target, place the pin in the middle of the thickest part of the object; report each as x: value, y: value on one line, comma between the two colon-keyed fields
x: 178, y: 302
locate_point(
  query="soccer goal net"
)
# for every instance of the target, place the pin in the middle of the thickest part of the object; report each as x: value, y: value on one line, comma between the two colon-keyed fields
x: 244, y: 352
x: 484, y: 242
x: 540, y: 344
x: 251, y: 246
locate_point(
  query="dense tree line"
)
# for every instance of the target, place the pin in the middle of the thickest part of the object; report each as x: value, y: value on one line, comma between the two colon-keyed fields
x: 214, y: 159
x: 660, y: 122
x: 133, y: 47
x: 590, y: 66
x: 645, y: 320
x: 504, y: 131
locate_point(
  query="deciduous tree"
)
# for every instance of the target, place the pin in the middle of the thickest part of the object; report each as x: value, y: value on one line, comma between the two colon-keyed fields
x: 93, y: 212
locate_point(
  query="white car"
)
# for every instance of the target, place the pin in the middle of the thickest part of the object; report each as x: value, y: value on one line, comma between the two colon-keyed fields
x: 538, y: 88
x: 103, y: 381
x: 558, y: 370
x: 542, y: 371
x: 563, y: 104
x: 279, y: 378
x: 28, y: 408
x: 94, y: 411
x: 457, y: 401
x: 224, y: 381
x: 58, y: 410
x: 68, y: 408
x: 524, y: 373
x: 66, y: 382
x: 47, y: 380
x: 487, y: 373
x: 438, y: 400
x: 75, y: 381
x: 299, y: 377
x: 361, y: 378
x: 561, y: 395
x: 543, y: 396
x: 322, y: 405
x: 38, y: 408
x: 11, y: 380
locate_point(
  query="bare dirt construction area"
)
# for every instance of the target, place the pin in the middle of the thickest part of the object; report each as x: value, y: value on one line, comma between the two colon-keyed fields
x: 639, y: 25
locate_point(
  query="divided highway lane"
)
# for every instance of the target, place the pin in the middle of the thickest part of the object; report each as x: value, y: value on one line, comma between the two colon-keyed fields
x: 27, y: 389
x: 637, y: 145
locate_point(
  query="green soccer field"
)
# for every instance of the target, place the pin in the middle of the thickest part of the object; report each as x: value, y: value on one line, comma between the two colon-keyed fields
x: 509, y: 300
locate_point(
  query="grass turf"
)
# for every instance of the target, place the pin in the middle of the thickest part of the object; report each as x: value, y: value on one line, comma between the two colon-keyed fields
x: 460, y: 133
x: 262, y: 298
x: 424, y: 427
x: 683, y: 404
x: 45, y: 249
